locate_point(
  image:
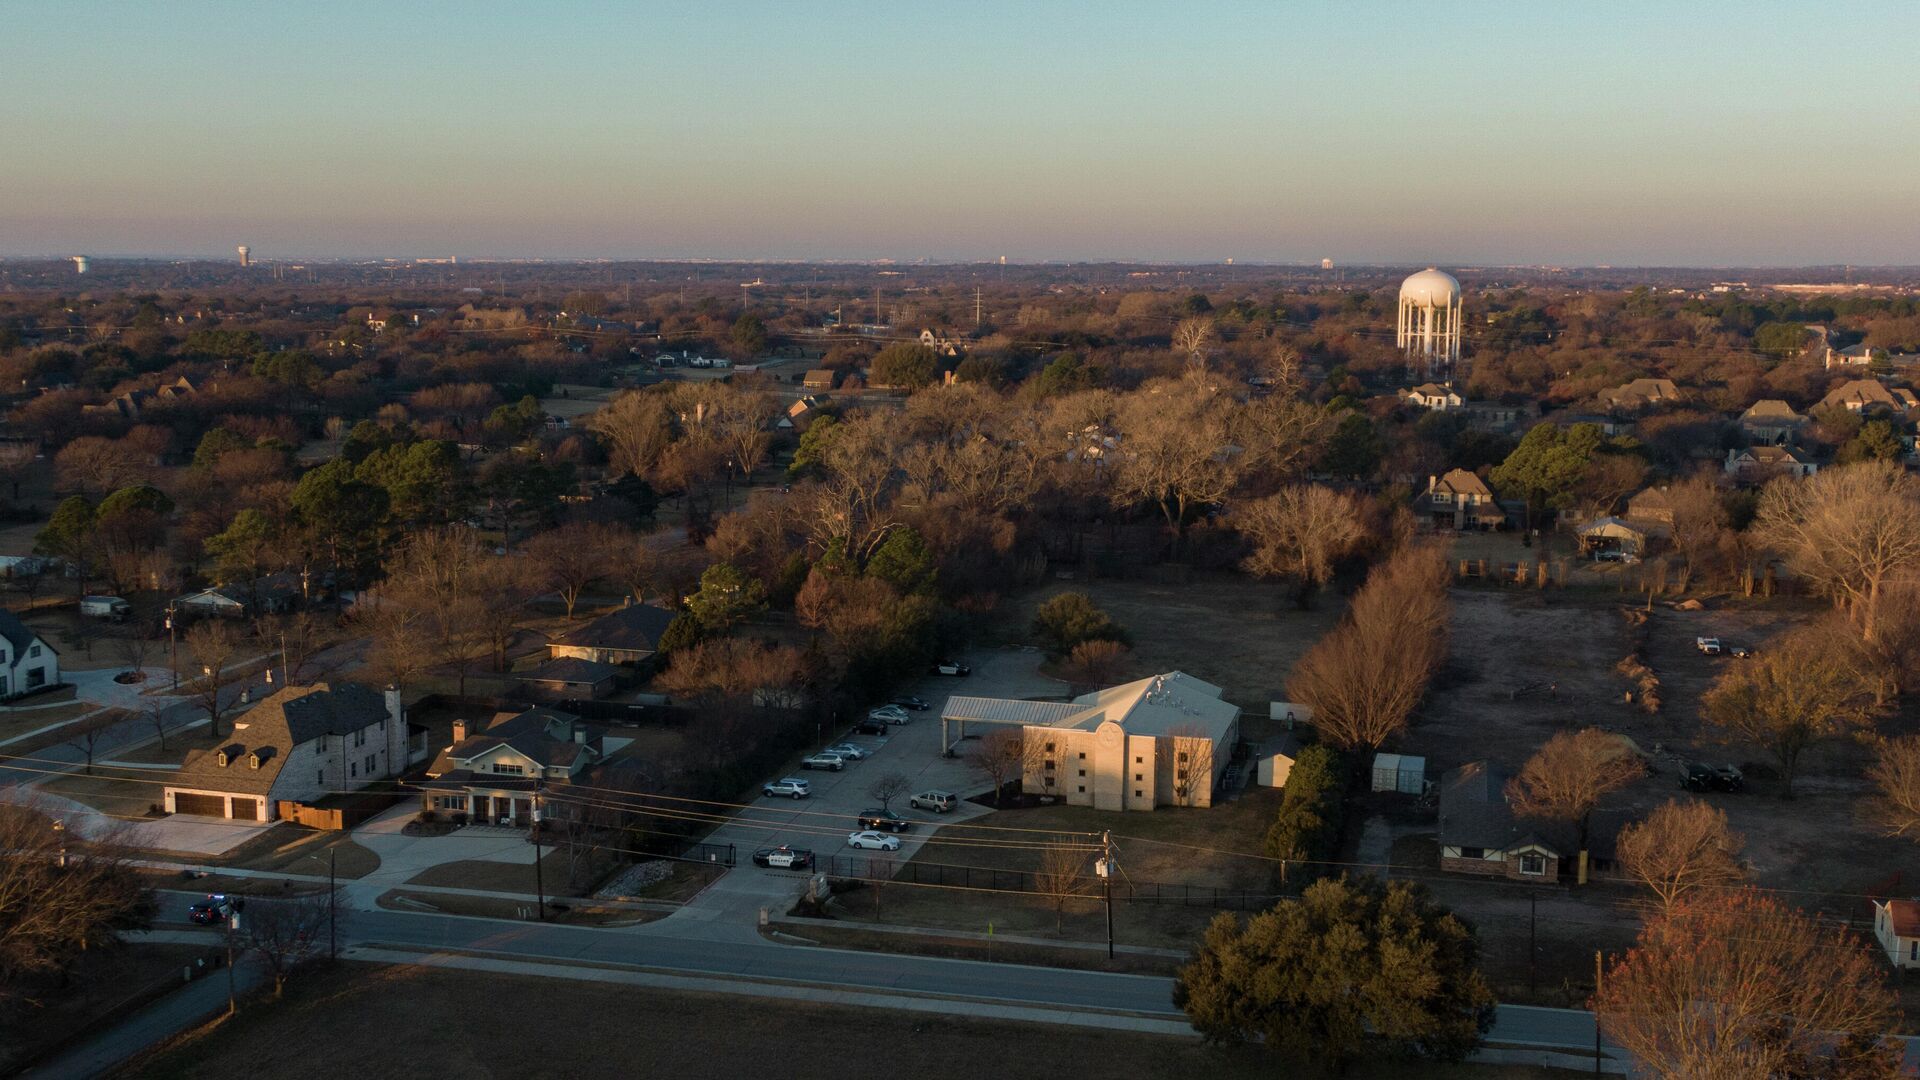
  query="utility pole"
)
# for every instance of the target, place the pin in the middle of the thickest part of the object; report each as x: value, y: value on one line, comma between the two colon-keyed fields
x: 333, y: 908
x: 1533, y: 947
x: 233, y: 923
x: 1597, y: 976
x: 173, y: 652
x: 1106, y: 870
x: 539, y: 877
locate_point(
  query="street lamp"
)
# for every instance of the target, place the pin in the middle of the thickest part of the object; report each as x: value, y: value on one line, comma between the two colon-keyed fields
x: 173, y: 653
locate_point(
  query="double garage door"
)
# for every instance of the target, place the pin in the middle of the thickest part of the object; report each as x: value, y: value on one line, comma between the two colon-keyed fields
x: 215, y: 806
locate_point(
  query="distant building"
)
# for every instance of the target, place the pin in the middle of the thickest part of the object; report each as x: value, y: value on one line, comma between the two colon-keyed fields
x: 1481, y: 834
x: 1771, y: 421
x: 80, y: 264
x: 1639, y: 395
x: 941, y: 344
x: 1459, y: 500
x: 246, y: 255
x: 628, y: 635
x: 1432, y: 396
x: 1759, y: 464
x: 1869, y: 395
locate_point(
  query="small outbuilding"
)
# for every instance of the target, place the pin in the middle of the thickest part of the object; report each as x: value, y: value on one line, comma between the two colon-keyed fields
x: 1896, y: 924
x: 1273, y: 762
x: 1613, y: 534
x: 1403, y: 773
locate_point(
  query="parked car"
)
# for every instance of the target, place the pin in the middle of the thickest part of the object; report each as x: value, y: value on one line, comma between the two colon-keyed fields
x: 216, y: 908
x: 889, y: 714
x: 908, y: 701
x: 880, y: 841
x: 824, y: 760
x: 791, y: 786
x: 1700, y: 776
x: 937, y: 801
x: 783, y: 858
x: 1739, y: 652
x: 870, y: 726
x: 950, y: 667
x: 879, y: 820
x: 1709, y: 645
x: 849, y: 751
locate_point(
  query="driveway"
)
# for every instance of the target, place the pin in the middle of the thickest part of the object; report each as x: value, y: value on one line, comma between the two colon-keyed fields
x: 403, y: 857
x: 822, y: 821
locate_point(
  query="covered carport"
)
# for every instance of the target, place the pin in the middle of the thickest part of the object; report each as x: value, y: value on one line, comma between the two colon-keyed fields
x: 997, y: 712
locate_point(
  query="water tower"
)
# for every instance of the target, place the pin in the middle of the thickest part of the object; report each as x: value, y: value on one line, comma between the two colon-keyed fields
x: 246, y: 255
x: 1430, y: 323
x: 79, y: 264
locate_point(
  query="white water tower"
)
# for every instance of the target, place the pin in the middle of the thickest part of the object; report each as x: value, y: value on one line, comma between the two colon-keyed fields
x: 246, y: 255
x: 1431, y: 319
x: 80, y: 264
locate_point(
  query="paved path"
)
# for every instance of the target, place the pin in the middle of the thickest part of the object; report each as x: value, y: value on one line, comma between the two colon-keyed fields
x: 191, y: 1005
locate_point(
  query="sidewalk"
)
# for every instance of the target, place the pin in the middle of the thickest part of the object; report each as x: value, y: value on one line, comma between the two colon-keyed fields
x: 185, y: 1008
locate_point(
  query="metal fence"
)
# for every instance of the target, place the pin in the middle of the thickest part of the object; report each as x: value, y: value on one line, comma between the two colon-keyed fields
x: 883, y: 868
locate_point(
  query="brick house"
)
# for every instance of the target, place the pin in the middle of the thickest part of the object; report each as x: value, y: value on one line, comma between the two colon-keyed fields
x: 1481, y: 834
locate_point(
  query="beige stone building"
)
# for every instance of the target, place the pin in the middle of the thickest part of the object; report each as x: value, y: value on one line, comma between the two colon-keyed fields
x: 1161, y: 741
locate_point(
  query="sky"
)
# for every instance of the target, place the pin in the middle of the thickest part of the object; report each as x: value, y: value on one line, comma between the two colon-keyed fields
x: 1624, y: 133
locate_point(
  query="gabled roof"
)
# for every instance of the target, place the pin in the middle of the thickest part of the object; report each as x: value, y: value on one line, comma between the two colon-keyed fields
x: 18, y: 634
x: 570, y: 669
x: 1903, y: 918
x: 1173, y: 703
x: 1773, y: 455
x: 271, y: 729
x: 1474, y: 812
x: 547, y: 737
x: 634, y: 628
x: 1462, y: 482
x: 1864, y: 392
x: 1641, y: 390
x: 1771, y: 409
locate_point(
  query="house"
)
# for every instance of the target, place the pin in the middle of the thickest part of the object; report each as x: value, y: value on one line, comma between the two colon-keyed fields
x: 492, y: 775
x: 273, y: 593
x: 1459, y: 500
x: 1651, y: 511
x: 1771, y: 421
x: 1869, y: 395
x: 1896, y: 924
x: 27, y: 661
x: 1161, y: 741
x: 941, y: 344
x: 1273, y: 762
x: 179, y: 388
x: 294, y: 748
x: 802, y: 413
x: 1499, y: 418
x: 1859, y: 355
x: 1481, y: 834
x: 1639, y: 395
x: 1612, y: 534
x: 1759, y: 464
x: 1432, y: 396
x: 569, y: 679
x: 127, y: 406
x: 818, y: 379
x: 627, y: 636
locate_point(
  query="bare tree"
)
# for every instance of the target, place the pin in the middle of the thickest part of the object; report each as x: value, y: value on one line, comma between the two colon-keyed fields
x: 403, y: 646
x: 1190, y: 749
x: 1850, y: 531
x: 214, y: 645
x: 1364, y: 678
x: 1569, y: 776
x: 1001, y: 756
x: 54, y: 907
x: 887, y: 788
x: 1181, y: 447
x: 1062, y: 876
x: 133, y: 647
x: 154, y: 714
x: 1896, y: 772
x: 1096, y: 663
x: 1699, y: 526
x: 570, y: 559
x: 1193, y: 339
x: 85, y: 733
x: 1300, y: 532
x: 639, y: 427
x: 1682, y: 847
x: 1800, y: 689
x: 285, y: 933
x: 1726, y: 988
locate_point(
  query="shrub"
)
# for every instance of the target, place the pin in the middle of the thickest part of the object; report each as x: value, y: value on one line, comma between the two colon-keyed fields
x: 1072, y: 618
x: 1307, y: 826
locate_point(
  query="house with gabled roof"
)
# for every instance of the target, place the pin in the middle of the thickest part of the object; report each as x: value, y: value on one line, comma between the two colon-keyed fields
x: 296, y: 747
x: 1771, y: 421
x: 1459, y: 499
x: 1167, y: 740
x: 1896, y: 925
x: 27, y: 661
x: 628, y: 635
x: 1432, y: 396
x: 1639, y: 395
x: 490, y: 776
x: 1759, y: 464
x: 1481, y: 834
x: 1869, y: 395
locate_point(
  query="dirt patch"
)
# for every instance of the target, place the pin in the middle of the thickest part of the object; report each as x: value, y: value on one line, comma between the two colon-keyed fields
x: 431, y: 1023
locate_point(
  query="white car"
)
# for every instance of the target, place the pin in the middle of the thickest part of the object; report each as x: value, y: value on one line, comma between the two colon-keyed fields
x: 791, y: 786
x: 849, y: 751
x: 879, y: 841
x: 889, y: 714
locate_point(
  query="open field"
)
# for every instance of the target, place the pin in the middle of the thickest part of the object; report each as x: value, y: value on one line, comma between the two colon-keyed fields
x: 102, y: 981
x: 431, y: 1024
x: 1241, y: 635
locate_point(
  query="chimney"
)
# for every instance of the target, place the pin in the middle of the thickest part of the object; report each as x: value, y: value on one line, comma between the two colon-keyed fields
x: 395, y: 711
x: 580, y: 733
x: 459, y: 730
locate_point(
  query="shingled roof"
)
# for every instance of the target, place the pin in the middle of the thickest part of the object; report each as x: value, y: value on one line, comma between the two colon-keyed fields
x: 270, y: 730
x: 635, y: 628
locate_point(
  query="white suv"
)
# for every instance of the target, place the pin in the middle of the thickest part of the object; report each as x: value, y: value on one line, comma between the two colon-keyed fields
x: 790, y: 786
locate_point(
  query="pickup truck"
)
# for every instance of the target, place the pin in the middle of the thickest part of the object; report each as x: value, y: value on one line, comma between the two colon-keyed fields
x: 1709, y: 645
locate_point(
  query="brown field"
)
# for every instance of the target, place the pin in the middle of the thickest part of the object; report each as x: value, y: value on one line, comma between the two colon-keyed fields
x: 431, y: 1025
x: 100, y: 981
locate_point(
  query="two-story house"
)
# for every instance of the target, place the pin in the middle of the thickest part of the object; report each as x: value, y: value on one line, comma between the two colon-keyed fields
x: 1759, y: 464
x: 27, y: 662
x: 1459, y: 500
x: 1772, y: 422
x: 492, y: 776
x: 296, y: 746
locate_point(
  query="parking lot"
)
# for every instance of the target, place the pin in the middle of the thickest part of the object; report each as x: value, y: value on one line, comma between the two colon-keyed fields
x: 822, y: 822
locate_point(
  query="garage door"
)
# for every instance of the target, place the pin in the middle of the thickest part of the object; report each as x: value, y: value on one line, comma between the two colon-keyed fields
x: 209, y: 805
x: 246, y: 810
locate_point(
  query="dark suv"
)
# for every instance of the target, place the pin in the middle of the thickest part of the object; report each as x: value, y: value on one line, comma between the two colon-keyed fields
x: 880, y: 821
x: 1700, y: 776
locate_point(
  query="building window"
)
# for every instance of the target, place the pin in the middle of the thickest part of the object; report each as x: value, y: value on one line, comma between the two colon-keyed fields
x: 1049, y: 766
x: 1049, y: 748
x: 353, y: 769
x: 1083, y: 789
x: 505, y: 769
x: 1136, y: 793
x: 320, y: 777
x: 1181, y: 757
x: 1139, y: 761
x: 33, y: 651
x: 1473, y: 853
x: 1083, y: 772
x: 1137, y: 777
x: 1533, y: 865
x: 1049, y: 781
x: 1442, y: 497
x: 1083, y: 755
x: 369, y: 763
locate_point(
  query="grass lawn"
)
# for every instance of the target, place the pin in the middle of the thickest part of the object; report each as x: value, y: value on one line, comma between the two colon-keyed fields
x: 964, y: 948
x: 568, y: 912
x: 430, y: 1024
x: 108, y: 794
x: 296, y: 849
x: 15, y: 722
x: 178, y: 744
x: 493, y: 876
x: 99, y: 982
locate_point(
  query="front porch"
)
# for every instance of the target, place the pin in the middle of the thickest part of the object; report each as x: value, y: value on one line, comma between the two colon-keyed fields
x: 503, y: 809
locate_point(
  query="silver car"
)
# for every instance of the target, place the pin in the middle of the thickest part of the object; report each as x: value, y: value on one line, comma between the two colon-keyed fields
x: 874, y: 840
x: 849, y: 751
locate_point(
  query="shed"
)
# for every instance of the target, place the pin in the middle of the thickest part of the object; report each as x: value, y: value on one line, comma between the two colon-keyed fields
x: 1403, y: 773
x: 1273, y: 762
x: 1612, y: 534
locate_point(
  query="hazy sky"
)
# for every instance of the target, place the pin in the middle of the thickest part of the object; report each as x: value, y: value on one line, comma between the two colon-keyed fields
x: 1611, y: 132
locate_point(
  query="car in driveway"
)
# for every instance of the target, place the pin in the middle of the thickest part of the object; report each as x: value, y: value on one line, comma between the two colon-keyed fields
x: 950, y: 667
x: 216, y: 908
x: 824, y: 760
x: 877, y: 819
x: 889, y: 714
x: 790, y: 786
x: 874, y: 840
x: 908, y: 701
x: 937, y: 801
x: 783, y: 858
x: 849, y: 751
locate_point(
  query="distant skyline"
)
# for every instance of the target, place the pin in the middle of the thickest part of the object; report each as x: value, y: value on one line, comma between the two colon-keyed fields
x: 1632, y: 134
